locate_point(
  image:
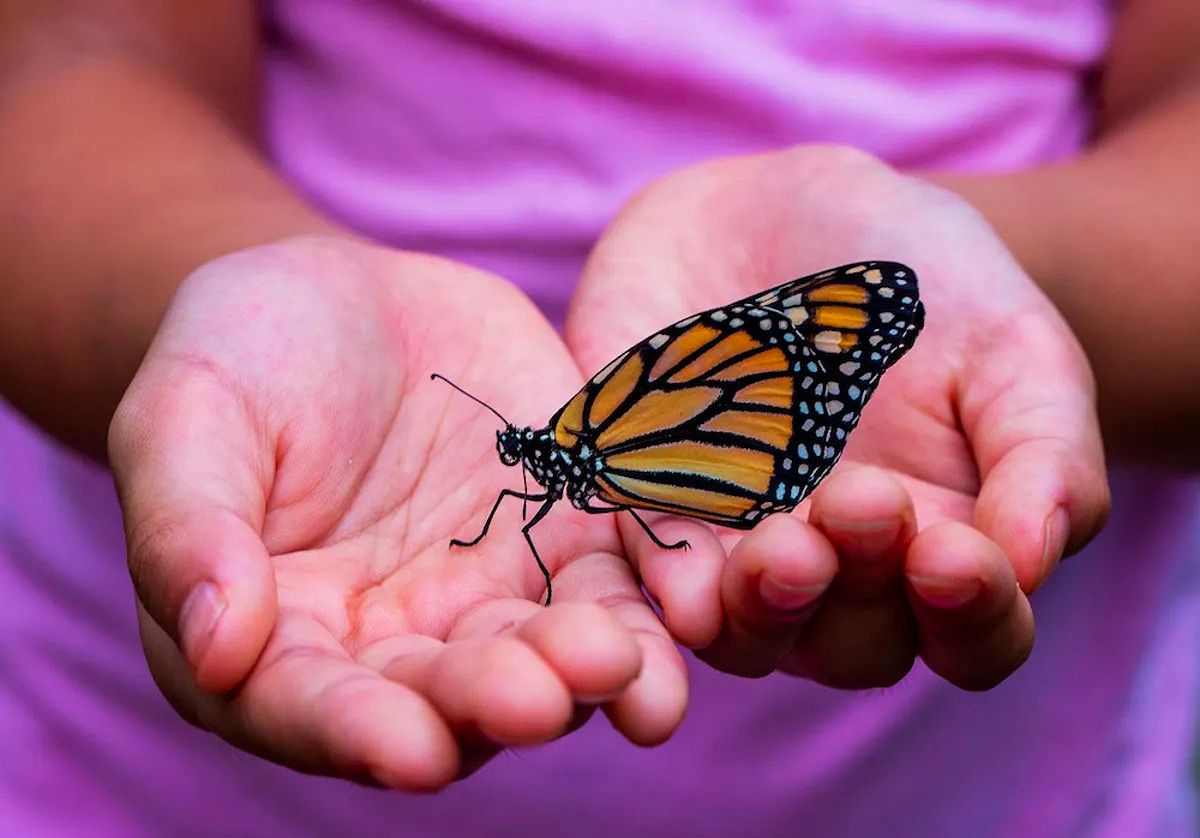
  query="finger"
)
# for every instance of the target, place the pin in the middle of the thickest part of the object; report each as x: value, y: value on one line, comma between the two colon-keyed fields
x: 498, y: 690
x: 975, y: 623
x: 771, y: 585
x: 1028, y: 409
x: 649, y: 708
x: 686, y: 583
x: 863, y: 635
x: 189, y: 476
x: 603, y: 641
x: 309, y: 707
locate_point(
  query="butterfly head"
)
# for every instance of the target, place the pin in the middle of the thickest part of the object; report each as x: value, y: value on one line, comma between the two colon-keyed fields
x: 510, y: 445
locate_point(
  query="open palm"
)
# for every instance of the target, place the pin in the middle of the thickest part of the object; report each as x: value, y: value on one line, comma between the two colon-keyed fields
x: 291, y: 478
x: 977, y: 463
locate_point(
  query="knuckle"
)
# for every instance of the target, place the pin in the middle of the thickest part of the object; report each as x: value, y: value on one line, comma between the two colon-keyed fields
x: 149, y: 543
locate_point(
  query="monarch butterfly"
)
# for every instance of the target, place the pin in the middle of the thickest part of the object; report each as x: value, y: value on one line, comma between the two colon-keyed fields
x: 727, y: 416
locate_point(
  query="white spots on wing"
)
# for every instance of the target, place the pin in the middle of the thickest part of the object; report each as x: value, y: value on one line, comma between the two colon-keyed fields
x: 658, y: 340
x: 849, y: 367
x: 802, y: 451
x: 765, y: 324
x: 887, y: 292
x: 873, y: 276
x: 854, y: 391
x: 797, y: 315
x: 828, y: 341
x: 607, y: 371
x: 833, y: 388
x: 808, y: 425
x: 857, y: 269
x: 886, y: 316
x: 718, y: 316
x: 834, y: 407
x: 682, y: 324
x: 736, y: 322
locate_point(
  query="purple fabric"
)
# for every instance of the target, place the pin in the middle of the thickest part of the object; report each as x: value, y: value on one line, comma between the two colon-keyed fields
x: 505, y: 134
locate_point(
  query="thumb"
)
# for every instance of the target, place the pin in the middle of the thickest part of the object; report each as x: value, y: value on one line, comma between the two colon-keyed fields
x: 190, y: 477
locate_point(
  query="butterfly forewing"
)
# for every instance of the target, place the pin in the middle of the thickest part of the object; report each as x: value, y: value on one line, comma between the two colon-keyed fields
x: 740, y: 411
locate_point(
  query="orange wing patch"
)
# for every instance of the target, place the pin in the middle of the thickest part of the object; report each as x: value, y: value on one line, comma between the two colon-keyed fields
x: 769, y: 360
x: 657, y: 410
x: 616, y: 389
x: 776, y: 392
x: 570, y: 421
x: 840, y: 317
x: 681, y: 346
x: 838, y: 293
x: 750, y: 469
x: 773, y: 429
x: 732, y: 345
x: 650, y: 494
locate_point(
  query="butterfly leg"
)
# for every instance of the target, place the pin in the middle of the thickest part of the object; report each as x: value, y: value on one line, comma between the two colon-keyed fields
x: 504, y: 493
x: 678, y: 545
x: 537, y: 516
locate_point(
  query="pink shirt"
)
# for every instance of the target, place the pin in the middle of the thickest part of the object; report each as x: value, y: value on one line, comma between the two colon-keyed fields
x: 505, y: 134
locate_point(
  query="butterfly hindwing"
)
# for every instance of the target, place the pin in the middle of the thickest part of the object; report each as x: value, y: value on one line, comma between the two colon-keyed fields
x: 740, y: 411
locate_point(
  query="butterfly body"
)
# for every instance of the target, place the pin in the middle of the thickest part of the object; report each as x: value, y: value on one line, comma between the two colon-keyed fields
x: 728, y: 415
x: 560, y: 471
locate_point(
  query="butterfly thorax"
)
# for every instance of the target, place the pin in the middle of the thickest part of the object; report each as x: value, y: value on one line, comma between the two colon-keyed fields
x: 569, y: 471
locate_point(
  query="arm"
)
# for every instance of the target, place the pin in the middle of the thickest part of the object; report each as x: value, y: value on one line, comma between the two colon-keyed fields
x: 108, y: 107
x: 1113, y: 236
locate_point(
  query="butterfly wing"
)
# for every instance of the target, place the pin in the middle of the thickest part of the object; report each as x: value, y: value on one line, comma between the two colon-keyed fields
x: 741, y: 410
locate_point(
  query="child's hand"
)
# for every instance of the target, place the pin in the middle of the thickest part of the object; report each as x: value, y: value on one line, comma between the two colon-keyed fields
x: 291, y: 479
x: 977, y: 463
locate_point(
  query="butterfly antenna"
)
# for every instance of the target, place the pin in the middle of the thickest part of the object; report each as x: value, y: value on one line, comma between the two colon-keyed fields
x: 436, y: 376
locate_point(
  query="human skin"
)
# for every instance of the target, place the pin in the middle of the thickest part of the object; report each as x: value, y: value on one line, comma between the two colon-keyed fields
x: 978, y: 460
x: 291, y: 478
x: 117, y: 111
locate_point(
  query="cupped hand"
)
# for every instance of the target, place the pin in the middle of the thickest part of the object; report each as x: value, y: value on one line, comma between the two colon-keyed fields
x: 976, y: 466
x: 291, y: 479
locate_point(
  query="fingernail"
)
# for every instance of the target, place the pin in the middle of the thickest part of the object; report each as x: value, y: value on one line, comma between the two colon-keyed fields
x: 198, y: 620
x: 1057, y: 524
x: 784, y: 597
x: 945, y: 593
